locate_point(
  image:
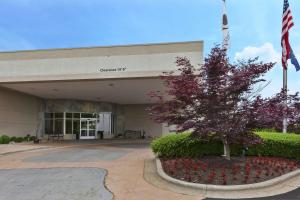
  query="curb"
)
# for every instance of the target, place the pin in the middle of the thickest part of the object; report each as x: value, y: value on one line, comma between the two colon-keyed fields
x: 25, y: 150
x: 220, y: 188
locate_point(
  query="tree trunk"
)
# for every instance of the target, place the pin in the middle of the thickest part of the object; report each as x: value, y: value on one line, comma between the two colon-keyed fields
x: 226, y: 149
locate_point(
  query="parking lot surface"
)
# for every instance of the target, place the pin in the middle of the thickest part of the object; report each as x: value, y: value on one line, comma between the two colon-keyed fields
x: 53, y: 184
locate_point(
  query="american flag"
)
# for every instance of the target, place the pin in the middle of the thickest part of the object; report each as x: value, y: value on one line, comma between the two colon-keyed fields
x: 287, y: 23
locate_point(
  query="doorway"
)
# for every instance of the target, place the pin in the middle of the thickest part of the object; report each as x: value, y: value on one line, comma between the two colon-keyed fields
x: 88, y: 128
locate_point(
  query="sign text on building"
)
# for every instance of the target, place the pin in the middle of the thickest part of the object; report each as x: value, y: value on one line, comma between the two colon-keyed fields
x: 117, y: 69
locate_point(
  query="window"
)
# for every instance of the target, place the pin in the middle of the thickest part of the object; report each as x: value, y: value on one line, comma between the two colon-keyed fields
x: 113, y: 119
x: 48, y: 126
x: 87, y: 115
x: 105, y: 124
x: 68, y: 126
x: 69, y: 115
x: 59, y: 126
x: 76, y: 115
x: 76, y: 126
x: 59, y: 115
x: 57, y: 123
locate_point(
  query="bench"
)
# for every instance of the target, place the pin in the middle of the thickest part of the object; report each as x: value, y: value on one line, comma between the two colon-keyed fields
x: 56, y: 136
x: 134, y: 134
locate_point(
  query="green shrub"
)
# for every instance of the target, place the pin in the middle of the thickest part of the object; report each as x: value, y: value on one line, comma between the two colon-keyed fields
x: 19, y: 139
x: 277, y: 144
x: 27, y: 137
x: 13, y: 139
x: 31, y: 138
x: 16, y: 139
x: 4, y: 139
x: 182, y: 145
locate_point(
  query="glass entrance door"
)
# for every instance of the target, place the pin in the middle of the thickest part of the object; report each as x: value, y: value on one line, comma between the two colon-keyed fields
x: 88, y: 128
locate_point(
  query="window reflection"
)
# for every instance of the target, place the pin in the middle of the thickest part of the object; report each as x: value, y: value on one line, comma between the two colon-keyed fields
x: 56, y: 122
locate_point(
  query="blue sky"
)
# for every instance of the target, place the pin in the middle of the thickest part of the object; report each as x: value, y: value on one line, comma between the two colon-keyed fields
x: 255, y: 26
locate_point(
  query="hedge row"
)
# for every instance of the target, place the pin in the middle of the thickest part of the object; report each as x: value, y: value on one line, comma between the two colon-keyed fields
x: 277, y: 144
x: 182, y: 145
x: 4, y: 139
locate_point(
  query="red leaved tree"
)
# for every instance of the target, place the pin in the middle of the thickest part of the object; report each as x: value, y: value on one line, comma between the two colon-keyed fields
x: 269, y: 112
x: 212, y: 102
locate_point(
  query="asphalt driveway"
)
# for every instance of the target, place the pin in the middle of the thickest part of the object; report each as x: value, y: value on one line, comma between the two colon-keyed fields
x: 53, y: 184
x: 86, y: 154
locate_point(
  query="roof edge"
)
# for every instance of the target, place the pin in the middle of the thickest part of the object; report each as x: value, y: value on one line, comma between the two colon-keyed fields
x: 99, y: 47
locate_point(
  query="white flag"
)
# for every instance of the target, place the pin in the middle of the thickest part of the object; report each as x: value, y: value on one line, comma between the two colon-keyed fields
x: 225, y: 28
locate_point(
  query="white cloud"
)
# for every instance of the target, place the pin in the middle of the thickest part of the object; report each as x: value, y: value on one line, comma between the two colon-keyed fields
x: 266, y: 53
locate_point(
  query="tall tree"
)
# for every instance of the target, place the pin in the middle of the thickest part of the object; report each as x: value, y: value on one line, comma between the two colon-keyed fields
x: 213, y: 101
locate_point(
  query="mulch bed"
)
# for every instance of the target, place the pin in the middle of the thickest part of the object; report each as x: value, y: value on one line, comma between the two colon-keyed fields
x: 219, y: 171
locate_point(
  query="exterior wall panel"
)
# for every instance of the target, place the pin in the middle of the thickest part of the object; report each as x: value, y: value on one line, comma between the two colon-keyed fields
x: 19, y: 113
x: 137, y: 118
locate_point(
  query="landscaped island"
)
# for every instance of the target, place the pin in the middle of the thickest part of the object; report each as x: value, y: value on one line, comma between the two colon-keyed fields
x: 221, y: 106
x: 199, y: 161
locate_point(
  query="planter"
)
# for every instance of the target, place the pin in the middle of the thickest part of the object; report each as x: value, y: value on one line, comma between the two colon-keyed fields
x: 210, y: 187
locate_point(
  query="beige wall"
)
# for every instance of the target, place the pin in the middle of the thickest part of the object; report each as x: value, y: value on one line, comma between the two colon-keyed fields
x: 136, y: 118
x: 18, y: 113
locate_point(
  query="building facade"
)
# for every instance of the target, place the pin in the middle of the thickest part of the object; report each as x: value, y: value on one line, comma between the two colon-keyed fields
x: 86, y: 93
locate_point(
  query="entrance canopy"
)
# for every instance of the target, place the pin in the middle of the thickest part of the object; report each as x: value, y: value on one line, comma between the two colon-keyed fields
x: 111, y: 82
x: 116, y: 74
x: 113, y: 62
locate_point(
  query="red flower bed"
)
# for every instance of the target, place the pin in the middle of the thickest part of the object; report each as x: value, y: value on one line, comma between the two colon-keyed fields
x: 218, y: 171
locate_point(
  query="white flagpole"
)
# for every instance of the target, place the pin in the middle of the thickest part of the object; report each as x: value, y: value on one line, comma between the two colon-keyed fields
x: 284, y: 123
x: 225, y: 27
x: 226, y: 38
